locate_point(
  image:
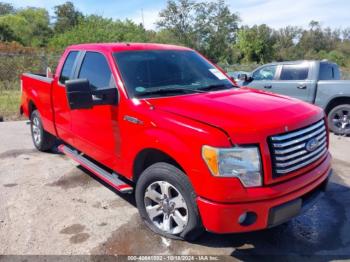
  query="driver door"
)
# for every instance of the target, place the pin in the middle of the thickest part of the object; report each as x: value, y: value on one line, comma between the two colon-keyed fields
x: 96, y: 130
x: 263, y: 78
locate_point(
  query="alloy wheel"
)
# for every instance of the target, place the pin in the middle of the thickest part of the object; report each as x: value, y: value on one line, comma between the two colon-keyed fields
x: 341, y: 120
x: 166, y: 207
x: 36, y: 130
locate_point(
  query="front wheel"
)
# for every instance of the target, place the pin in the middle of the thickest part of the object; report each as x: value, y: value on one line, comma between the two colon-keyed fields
x: 42, y: 140
x: 339, y: 119
x: 166, y: 202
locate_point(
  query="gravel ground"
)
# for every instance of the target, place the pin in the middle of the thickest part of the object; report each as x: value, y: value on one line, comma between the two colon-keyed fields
x: 51, y: 206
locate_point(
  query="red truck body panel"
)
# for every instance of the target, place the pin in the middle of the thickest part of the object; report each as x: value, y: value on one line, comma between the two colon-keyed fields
x: 224, y: 217
x: 178, y: 126
x: 40, y: 92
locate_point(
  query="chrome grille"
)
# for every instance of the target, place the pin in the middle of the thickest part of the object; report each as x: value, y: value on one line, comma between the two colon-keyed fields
x: 294, y: 150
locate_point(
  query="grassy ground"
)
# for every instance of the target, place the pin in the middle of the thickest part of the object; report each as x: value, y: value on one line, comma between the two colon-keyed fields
x: 10, y: 96
x: 9, y: 105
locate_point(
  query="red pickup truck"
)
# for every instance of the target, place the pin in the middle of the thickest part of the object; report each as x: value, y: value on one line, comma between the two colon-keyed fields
x: 200, y: 152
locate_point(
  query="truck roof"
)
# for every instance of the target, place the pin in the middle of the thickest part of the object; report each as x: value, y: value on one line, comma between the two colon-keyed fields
x: 115, y: 47
x: 298, y: 62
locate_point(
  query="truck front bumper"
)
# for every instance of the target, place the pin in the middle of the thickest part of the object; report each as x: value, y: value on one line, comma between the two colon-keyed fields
x: 255, y: 215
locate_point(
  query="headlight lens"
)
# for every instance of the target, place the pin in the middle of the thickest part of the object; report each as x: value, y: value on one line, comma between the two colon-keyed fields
x: 241, y: 162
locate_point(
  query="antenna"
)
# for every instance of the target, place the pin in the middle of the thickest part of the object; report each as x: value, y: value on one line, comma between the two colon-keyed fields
x: 143, y: 19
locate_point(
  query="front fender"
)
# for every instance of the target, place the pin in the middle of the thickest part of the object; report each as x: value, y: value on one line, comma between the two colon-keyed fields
x: 174, y: 147
x: 176, y: 136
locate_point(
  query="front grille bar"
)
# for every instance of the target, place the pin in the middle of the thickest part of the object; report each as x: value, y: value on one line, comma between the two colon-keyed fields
x: 284, y: 171
x: 290, y: 151
x: 297, y: 133
x: 303, y: 138
x: 298, y: 153
x: 301, y: 158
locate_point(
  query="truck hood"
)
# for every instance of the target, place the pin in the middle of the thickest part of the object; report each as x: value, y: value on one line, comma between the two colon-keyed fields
x: 245, y: 115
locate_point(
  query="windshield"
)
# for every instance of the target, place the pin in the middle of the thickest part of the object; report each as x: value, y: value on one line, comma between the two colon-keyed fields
x: 168, y: 72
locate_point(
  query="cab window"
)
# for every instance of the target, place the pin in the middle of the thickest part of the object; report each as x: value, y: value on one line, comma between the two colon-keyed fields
x: 265, y: 73
x: 96, y: 69
x: 328, y: 72
x: 67, y: 69
x: 294, y: 72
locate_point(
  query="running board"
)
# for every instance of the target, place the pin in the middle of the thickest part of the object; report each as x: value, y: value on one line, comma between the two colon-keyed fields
x: 110, y: 178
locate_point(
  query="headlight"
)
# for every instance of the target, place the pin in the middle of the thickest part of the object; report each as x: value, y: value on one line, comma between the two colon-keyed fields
x: 241, y: 162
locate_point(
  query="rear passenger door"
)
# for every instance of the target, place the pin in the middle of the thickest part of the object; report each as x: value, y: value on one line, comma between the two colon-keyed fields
x: 295, y: 80
x: 59, y: 96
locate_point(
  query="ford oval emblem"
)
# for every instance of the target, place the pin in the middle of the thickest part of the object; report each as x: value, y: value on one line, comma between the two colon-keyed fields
x: 311, y: 145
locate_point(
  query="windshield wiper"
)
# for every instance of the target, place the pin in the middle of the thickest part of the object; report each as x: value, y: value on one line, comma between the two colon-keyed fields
x: 214, y: 87
x: 167, y: 90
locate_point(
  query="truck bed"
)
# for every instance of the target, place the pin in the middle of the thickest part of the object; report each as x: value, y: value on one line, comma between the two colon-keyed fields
x: 329, y: 89
x: 37, y: 89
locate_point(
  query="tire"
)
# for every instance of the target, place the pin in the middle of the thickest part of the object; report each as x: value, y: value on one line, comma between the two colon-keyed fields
x: 339, y: 119
x: 171, y: 177
x: 42, y: 140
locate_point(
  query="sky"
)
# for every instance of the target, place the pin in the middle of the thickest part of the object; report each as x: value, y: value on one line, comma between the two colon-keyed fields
x: 275, y: 13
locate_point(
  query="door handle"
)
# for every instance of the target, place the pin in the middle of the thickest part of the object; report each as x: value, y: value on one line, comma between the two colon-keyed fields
x: 302, y: 87
x: 268, y: 87
x: 133, y: 120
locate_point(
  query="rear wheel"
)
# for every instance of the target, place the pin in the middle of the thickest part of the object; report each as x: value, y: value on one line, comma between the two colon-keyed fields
x: 339, y: 119
x: 42, y: 140
x: 166, y: 202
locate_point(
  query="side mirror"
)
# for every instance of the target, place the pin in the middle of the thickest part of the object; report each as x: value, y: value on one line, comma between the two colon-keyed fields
x: 108, y: 96
x: 245, y: 78
x: 79, y: 94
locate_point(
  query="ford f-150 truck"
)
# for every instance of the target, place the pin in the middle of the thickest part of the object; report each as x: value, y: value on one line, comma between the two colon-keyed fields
x: 199, y: 152
x: 316, y: 82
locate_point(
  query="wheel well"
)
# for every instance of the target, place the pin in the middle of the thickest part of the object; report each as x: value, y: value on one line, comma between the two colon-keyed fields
x: 335, y: 102
x: 148, y: 157
x: 31, y: 107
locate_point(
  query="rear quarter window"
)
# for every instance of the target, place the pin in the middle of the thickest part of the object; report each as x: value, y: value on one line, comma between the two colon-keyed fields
x: 294, y: 72
x: 67, y: 68
x: 329, y: 71
x: 326, y: 72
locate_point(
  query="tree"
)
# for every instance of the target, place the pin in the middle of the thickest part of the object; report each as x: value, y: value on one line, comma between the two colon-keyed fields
x: 39, y: 30
x: 202, y: 25
x: 312, y: 39
x: 6, y: 34
x: 179, y: 17
x: 162, y: 36
x: 256, y: 43
x: 30, y: 26
x: 285, y: 43
x: 17, y: 24
x: 6, y: 8
x: 346, y: 33
x: 337, y: 57
x: 67, y: 16
x: 96, y: 29
x: 216, y: 24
